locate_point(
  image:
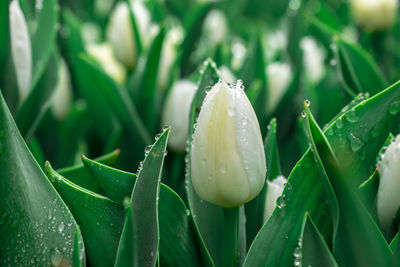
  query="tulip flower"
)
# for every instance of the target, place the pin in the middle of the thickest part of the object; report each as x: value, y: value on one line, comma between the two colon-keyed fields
x: 20, y: 49
x: 388, y: 198
x: 313, y: 58
x: 104, y: 55
x: 215, y: 27
x: 176, y: 113
x: 227, y: 156
x: 62, y: 96
x: 274, y: 191
x: 374, y: 15
x: 120, y: 31
x: 279, y: 76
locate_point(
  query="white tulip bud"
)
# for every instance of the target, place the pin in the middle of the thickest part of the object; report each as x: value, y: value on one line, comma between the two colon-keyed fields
x: 168, y: 56
x: 62, y: 96
x: 227, y: 157
x: 275, y: 42
x: 104, y: 55
x: 227, y: 75
x: 274, y: 191
x: 120, y: 32
x: 279, y: 76
x: 176, y: 113
x: 374, y: 15
x: 20, y: 49
x: 215, y: 27
x: 239, y: 52
x: 313, y: 58
x: 388, y: 198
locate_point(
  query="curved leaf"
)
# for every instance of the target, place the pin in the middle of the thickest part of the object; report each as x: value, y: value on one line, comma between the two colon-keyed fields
x: 371, y: 125
x: 139, y: 241
x: 36, y: 227
x: 100, y: 219
x: 314, y: 251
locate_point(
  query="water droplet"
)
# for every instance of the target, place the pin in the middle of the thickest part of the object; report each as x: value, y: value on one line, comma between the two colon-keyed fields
x: 281, y: 201
x: 355, y: 142
x: 329, y: 131
x: 187, y: 212
x: 339, y: 123
x: 222, y: 169
x: 297, y: 256
x: 307, y: 102
x: 230, y: 112
x: 126, y: 202
x: 303, y: 114
x: 61, y: 227
x: 351, y: 116
x: 56, y: 257
x: 333, y: 62
x: 244, y: 122
x: 394, y: 107
x: 147, y: 149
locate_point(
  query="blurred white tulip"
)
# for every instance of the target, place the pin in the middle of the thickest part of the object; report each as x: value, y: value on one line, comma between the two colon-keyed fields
x: 227, y: 75
x: 104, y: 55
x: 313, y: 59
x: 374, y: 15
x: 388, y: 199
x: 227, y: 157
x: 274, y: 191
x: 62, y: 96
x: 279, y: 76
x: 215, y: 27
x: 176, y: 113
x: 120, y: 32
x: 20, y: 49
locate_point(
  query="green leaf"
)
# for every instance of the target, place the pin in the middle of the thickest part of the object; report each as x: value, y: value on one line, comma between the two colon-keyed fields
x: 103, y: 91
x: 139, y: 241
x: 208, y: 218
x: 79, y: 250
x: 4, y: 37
x: 31, y: 212
x: 396, y: 252
x: 359, y: 241
x: 80, y: 176
x: 372, y: 124
x: 117, y: 184
x: 368, y: 190
x: 313, y: 250
x: 255, y: 208
x: 100, y: 218
x: 44, y: 37
x: 38, y: 100
x: 177, y: 238
x: 193, y: 27
x: 147, y: 93
x: 359, y: 72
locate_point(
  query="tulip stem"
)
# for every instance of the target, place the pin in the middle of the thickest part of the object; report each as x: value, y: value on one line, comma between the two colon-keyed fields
x: 230, y: 237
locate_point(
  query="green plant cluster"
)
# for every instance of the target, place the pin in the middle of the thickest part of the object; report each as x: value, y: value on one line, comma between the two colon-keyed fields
x: 98, y: 188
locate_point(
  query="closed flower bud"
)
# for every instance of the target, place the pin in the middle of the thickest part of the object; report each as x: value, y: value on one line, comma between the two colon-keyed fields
x: 274, y: 191
x: 62, y: 96
x: 215, y: 27
x: 20, y: 49
x: 120, y: 32
x: 279, y: 76
x: 313, y: 58
x: 374, y: 15
x: 104, y: 55
x: 227, y: 157
x: 176, y: 113
x: 388, y: 199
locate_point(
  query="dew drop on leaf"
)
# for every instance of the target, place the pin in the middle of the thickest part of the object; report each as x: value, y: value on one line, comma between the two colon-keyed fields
x: 394, y: 107
x: 56, y: 257
x: 355, y: 142
x: 352, y: 116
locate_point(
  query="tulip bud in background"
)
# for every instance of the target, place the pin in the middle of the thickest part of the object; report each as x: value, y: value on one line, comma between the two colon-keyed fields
x: 120, y: 32
x: 62, y: 96
x: 374, y: 15
x: 275, y: 42
x: 104, y: 55
x: 274, y: 191
x: 313, y: 58
x: 215, y: 27
x: 176, y: 113
x: 20, y: 49
x: 168, y: 56
x: 227, y: 157
x: 279, y: 76
x: 238, y: 54
x: 226, y: 74
x: 388, y: 199
x: 90, y: 32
